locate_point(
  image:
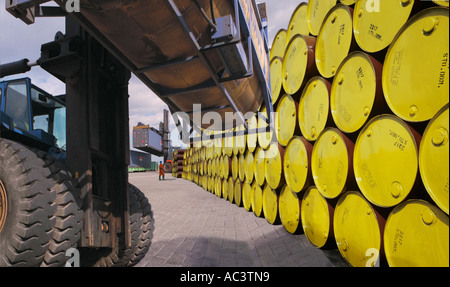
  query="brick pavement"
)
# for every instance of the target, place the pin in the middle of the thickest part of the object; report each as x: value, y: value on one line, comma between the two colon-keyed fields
x: 194, y: 228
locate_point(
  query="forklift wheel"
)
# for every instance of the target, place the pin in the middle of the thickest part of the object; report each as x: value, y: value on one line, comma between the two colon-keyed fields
x: 27, y: 209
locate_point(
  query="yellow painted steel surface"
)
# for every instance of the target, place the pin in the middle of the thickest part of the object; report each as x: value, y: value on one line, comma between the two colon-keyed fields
x: 334, y: 40
x: 353, y: 92
x: 279, y: 44
x: 225, y: 189
x: 249, y: 167
x: 317, y: 10
x: 286, y: 119
x: 375, y: 27
x: 357, y: 231
x: 257, y: 199
x: 417, y: 235
x: 247, y: 195
x: 276, y: 78
x: 242, y: 167
x: 348, y: 2
x: 264, y: 138
x: 274, y: 166
x: 260, y: 166
x: 442, y: 2
x: 241, y: 140
x: 289, y: 209
x: 226, y: 166
x: 317, y: 221
x: 295, y: 64
x: 231, y: 190
x: 297, y: 164
x: 270, y: 204
x: 313, y: 109
x: 434, y: 159
x: 252, y: 138
x: 298, y: 23
x: 415, y: 71
x: 386, y: 161
x: 238, y: 193
x: 235, y: 167
x: 330, y: 163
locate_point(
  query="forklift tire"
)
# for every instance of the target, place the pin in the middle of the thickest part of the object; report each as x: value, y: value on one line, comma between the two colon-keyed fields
x: 141, y: 225
x: 27, y: 206
x: 69, y: 213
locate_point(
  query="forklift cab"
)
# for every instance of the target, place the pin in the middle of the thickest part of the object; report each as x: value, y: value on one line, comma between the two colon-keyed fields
x: 32, y: 114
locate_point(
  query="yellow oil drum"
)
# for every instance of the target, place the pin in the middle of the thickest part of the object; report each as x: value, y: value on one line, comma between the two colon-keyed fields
x: 274, y: 166
x: 358, y: 230
x: 356, y: 93
x: 276, y: 78
x: 317, y: 218
x: 242, y: 167
x: 279, y: 44
x: 434, y: 158
x: 247, y: 195
x: 218, y: 187
x: 231, y: 190
x: 298, y: 63
x: 260, y: 167
x: 314, y: 108
x: 298, y: 24
x: 417, y: 235
x: 238, y: 193
x: 241, y: 140
x: 286, y: 119
x: 226, y: 166
x: 228, y: 144
x: 249, y: 167
x: 290, y: 204
x: 210, y: 167
x: 257, y: 199
x: 235, y: 167
x: 375, y: 26
x: 348, y: 2
x: 264, y: 138
x: 334, y: 40
x: 332, y: 163
x: 297, y: 164
x: 386, y: 160
x: 415, y: 71
x: 225, y: 189
x: 317, y: 10
x: 252, y: 137
x: 270, y: 205
x: 443, y: 3
x: 221, y: 170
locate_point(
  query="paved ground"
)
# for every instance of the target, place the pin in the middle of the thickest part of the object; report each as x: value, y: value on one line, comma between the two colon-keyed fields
x: 194, y: 228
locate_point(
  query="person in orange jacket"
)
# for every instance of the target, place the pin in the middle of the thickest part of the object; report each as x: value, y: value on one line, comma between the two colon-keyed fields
x: 161, y: 171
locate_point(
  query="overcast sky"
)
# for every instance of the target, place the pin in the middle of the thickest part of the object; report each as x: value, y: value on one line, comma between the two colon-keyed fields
x: 18, y: 41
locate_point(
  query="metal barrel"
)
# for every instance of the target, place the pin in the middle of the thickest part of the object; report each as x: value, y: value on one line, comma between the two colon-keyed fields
x: 238, y: 193
x: 274, y: 166
x: 434, y: 158
x: 227, y: 166
x: 276, y: 78
x: 286, y: 120
x: 241, y: 140
x: 231, y: 190
x: 297, y: 164
x: 299, y: 63
x: 249, y: 167
x: 270, y: 205
x: 348, y: 2
x: 335, y: 40
x: 260, y: 167
x: 252, y: 138
x: 290, y: 205
x: 264, y: 138
x: 317, y: 10
x: 247, y: 195
x: 363, y: 248
x: 375, y: 27
x: 415, y: 71
x: 257, y: 200
x: 242, y: 167
x: 443, y: 3
x: 225, y: 189
x: 314, y: 108
x: 278, y: 45
x: 356, y: 92
x: 332, y: 163
x: 317, y: 218
x: 235, y: 167
x: 298, y: 24
x: 386, y: 160
x: 417, y: 234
